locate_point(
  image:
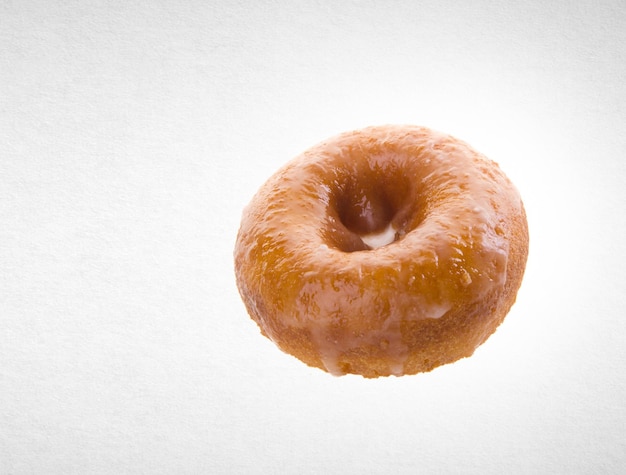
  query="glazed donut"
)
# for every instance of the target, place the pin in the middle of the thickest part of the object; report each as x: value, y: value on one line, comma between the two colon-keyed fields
x: 384, y: 251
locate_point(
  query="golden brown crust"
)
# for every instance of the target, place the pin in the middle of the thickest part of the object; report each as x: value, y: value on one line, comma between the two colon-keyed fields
x: 315, y: 288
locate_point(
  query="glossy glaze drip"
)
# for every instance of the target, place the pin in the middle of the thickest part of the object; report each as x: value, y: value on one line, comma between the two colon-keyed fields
x: 382, y: 238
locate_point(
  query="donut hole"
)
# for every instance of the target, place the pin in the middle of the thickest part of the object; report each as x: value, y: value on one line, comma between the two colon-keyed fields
x: 367, y: 213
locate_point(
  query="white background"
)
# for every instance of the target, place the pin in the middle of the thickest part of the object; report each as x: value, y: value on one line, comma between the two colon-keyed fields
x: 133, y: 133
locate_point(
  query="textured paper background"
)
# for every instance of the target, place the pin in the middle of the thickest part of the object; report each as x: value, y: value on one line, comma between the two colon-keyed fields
x: 132, y: 134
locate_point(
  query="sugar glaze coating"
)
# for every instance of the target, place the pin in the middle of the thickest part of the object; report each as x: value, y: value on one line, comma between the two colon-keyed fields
x: 448, y: 242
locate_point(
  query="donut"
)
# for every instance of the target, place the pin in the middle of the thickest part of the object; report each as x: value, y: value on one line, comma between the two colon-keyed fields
x: 389, y: 250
